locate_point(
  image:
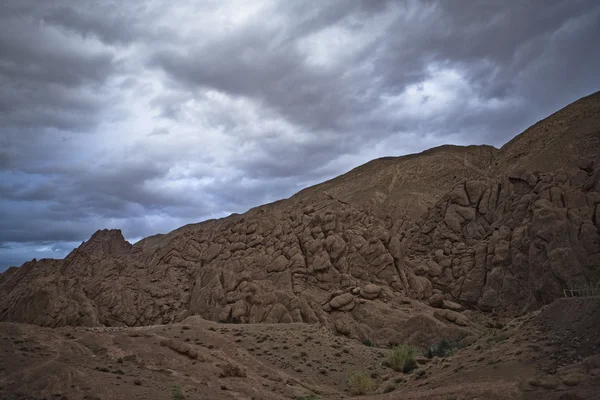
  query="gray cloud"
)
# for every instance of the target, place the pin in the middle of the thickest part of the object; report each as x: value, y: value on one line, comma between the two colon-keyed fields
x: 149, y: 115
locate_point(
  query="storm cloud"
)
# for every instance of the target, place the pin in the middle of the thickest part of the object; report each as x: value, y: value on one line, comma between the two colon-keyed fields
x: 147, y: 115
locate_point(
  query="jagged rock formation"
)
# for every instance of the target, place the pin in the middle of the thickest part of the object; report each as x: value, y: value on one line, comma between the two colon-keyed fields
x: 325, y: 262
x: 351, y: 253
x: 511, y: 243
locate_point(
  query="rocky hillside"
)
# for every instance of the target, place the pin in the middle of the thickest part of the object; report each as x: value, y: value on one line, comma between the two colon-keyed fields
x: 515, y: 242
x: 397, y: 189
x: 353, y: 253
x: 560, y: 141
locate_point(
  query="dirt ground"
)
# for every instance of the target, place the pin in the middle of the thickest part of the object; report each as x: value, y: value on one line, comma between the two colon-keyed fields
x: 550, y: 354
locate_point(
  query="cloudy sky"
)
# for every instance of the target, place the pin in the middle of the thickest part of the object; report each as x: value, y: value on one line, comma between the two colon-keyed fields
x: 147, y: 115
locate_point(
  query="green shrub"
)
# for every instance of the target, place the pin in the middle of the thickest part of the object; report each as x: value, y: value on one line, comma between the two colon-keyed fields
x: 368, y: 342
x: 360, y: 383
x: 177, y: 394
x: 401, y: 358
x: 443, y: 348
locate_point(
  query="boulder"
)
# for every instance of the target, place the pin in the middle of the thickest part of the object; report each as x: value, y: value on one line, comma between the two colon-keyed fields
x: 437, y: 300
x: 370, y: 291
x: 341, y: 301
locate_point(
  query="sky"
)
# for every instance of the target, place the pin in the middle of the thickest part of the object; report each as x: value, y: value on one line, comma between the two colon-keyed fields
x: 148, y: 115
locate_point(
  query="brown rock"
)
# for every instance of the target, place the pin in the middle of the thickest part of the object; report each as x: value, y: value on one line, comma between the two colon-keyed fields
x: 571, y: 380
x: 450, y: 305
x: 468, y: 340
x: 370, y: 291
x: 341, y: 301
x: 437, y: 300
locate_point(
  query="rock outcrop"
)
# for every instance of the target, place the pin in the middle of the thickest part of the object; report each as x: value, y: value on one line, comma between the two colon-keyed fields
x: 352, y: 253
x: 516, y: 242
x: 319, y: 262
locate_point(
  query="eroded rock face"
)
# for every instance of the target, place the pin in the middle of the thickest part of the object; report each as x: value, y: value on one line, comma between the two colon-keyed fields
x: 323, y: 261
x: 501, y: 245
x: 348, y: 253
x: 513, y: 243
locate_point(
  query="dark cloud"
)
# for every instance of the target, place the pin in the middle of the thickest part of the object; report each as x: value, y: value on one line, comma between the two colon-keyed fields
x: 148, y: 115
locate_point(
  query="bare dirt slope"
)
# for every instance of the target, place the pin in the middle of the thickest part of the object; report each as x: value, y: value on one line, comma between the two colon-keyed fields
x: 560, y: 141
x: 525, y: 358
x: 402, y: 188
x: 397, y: 189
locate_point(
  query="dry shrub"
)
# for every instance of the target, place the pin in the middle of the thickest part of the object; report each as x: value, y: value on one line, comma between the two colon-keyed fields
x: 360, y: 383
x: 230, y: 370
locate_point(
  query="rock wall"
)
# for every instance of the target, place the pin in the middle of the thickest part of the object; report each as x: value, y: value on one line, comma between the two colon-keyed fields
x: 318, y: 261
x: 505, y: 245
x: 511, y: 244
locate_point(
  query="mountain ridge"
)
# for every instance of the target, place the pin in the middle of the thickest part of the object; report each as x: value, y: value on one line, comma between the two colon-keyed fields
x: 443, y: 228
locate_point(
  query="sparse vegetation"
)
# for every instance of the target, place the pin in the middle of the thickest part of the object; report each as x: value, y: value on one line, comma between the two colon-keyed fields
x: 360, y: 383
x: 401, y: 358
x: 443, y: 348
x: 177, y: 393
x: 230, y: 370
x: 368, y: 342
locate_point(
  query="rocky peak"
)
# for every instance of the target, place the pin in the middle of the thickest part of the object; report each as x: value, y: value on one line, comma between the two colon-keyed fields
x: 103, y: 243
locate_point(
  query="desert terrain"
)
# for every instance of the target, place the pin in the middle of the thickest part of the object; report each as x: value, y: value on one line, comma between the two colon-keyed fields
x: 439, y: 275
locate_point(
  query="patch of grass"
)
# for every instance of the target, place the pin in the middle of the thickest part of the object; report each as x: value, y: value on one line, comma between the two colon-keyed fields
x: 402, y: 358
x: 443, y: 348
x: 360, y: 383
x: 177, y: 393
x: 368, y: 342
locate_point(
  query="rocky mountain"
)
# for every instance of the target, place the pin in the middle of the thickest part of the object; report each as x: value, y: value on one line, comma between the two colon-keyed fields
x: 560, y: 141
x: 398, y: 189
x: 393, y: 251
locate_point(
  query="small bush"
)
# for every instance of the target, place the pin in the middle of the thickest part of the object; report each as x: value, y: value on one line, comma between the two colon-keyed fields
x: 443, y: 348
x: 230, y: 370
x: 368, y: 342
x: 401, y: 358
x: 177, y: 394
x: 360, y: 383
